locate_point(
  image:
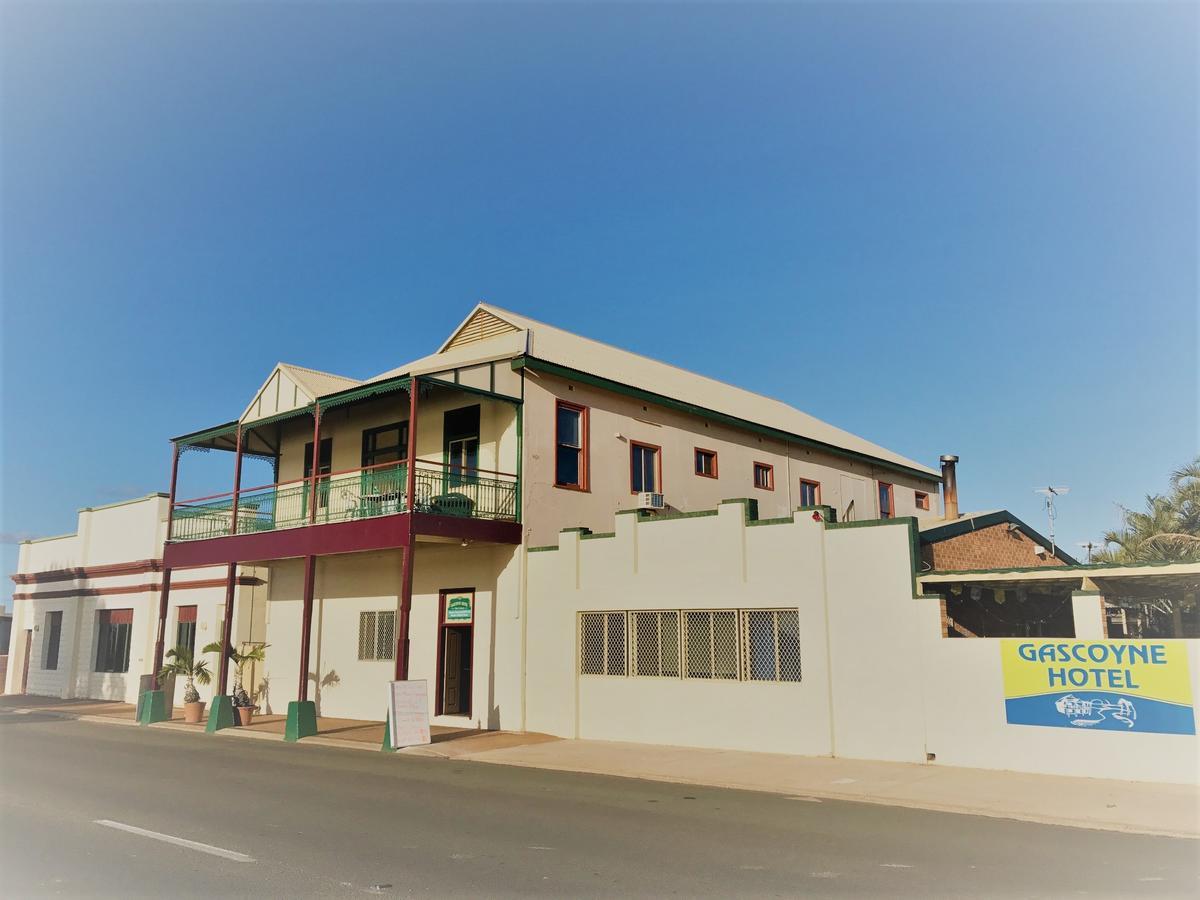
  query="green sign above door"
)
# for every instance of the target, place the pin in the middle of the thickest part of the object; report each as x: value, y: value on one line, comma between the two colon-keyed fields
x: 460, y: 609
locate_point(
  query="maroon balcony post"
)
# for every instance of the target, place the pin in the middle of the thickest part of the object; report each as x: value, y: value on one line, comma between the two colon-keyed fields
x: 406, y: 562
x: 316, y: 466
x: 174, y: 481
x: 226, y: 630
x: 165, y: 590
x: 310, y: 565
x: 237, y: 484
x: 411, y: 487
x: 159, y: 641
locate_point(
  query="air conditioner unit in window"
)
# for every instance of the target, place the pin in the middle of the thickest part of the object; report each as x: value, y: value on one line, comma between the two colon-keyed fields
x: 647, y: 500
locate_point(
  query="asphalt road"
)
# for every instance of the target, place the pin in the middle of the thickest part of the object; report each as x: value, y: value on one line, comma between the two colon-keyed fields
x: 317, y: 821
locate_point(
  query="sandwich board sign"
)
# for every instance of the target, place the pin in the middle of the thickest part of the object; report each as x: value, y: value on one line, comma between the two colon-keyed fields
x: 408, y: 712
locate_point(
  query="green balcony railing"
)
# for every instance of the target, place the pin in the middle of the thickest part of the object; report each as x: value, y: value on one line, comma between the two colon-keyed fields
x: 360, y: 494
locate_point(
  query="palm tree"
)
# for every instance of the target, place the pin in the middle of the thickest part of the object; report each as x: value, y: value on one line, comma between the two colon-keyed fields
x: 182, y: 663
x: 1169, y: 529
x: 240, y: 658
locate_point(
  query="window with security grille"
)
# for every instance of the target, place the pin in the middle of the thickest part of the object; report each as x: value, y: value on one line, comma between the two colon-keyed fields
x: 377, y: 635
x: 602, y: 643
x: 655, y: 643
x: 771, y: 644
x: 711, y: 640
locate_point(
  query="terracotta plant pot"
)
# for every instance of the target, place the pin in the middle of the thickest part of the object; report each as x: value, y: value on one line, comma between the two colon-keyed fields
x: 245, y: 714
x: 193, y: 711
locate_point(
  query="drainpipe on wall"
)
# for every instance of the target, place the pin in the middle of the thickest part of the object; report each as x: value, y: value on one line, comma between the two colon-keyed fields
x: 950, y: 487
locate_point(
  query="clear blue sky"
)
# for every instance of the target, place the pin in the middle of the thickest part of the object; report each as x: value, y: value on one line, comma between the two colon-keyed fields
x: 949, y: 228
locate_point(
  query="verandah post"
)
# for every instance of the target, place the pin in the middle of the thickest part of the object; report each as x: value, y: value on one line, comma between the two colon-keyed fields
x: 310, y: 565
x: 302, y: 712
x: 316, y: 464
x: 406, y: 573
x: 165, y: 591
x: 226, y: 630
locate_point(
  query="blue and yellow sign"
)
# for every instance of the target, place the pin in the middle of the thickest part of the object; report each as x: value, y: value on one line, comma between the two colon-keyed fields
x: 1098, y: 685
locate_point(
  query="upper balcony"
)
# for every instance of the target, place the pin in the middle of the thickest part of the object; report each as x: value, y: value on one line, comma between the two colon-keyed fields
x: 370, y: 467
x: 439, y: 489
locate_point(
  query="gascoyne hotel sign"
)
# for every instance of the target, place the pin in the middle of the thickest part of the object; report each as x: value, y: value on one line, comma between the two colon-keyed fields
x: 1098, y: 685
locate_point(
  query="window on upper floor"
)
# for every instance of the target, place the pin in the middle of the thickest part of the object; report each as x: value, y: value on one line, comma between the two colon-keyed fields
x: 570, y: 446
x: 810, y: 492
x: 887, y: 506
x: 764, y: 476
x: 645, y: 473
x: 706, y: 462
x: 385, y: 444
x: 922, y: 500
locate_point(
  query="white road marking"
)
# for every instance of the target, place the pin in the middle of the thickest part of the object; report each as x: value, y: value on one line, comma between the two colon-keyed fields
x: 539, y: 848
x: 805, y: 799
x: 894, y: 866
x: 177, y: 841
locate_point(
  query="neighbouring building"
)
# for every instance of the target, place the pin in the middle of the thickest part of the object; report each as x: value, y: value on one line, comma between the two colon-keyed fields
x: 558, y: 535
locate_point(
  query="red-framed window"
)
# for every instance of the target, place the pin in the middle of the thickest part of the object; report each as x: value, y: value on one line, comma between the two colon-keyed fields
x: 645, y: 468
x: 887, y: 501
x: 571, y: 446
x: 706, y: 462
x: 764, y: 476
x: 810, y: 492
x: 922, y: 500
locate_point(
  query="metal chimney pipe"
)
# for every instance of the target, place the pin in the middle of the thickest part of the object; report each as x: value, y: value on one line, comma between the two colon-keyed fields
x: 950, y: 486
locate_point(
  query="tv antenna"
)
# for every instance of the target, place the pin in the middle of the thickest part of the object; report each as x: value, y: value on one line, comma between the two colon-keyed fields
x: 1051, y: 514
x: 1091, y: 547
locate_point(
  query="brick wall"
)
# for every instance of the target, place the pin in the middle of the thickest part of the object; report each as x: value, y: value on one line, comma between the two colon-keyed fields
x: 994, y: 547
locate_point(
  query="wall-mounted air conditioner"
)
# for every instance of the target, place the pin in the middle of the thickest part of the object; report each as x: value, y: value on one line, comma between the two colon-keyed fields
x: 647, y: 500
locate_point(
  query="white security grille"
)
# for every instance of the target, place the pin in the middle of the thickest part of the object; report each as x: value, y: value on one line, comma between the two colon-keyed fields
x: 377, y: 635
x: 602, y: 643
x: 771, y: 644
x: 656, y: 643
x: 712, y: 644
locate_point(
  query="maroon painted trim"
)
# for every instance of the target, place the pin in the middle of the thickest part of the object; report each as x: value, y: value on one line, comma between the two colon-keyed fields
x: 140, y: 588
x: 381, y: 533
x: 134, y: 567
x: 185, y: 614
x: 484, y: 530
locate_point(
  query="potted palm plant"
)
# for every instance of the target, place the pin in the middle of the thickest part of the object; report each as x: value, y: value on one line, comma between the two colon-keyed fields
x: 181, y: 662
x: 249, y: 653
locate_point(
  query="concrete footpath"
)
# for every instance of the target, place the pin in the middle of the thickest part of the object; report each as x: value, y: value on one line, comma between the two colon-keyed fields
x: 1136, y: 807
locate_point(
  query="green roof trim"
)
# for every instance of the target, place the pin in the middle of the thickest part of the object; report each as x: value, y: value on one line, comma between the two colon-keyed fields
x: 362, y: 392
x: 279, y: 417
x: 540, y: 365
x: 199, y: 437
x: 598, y: 536
x: 540, y: 549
